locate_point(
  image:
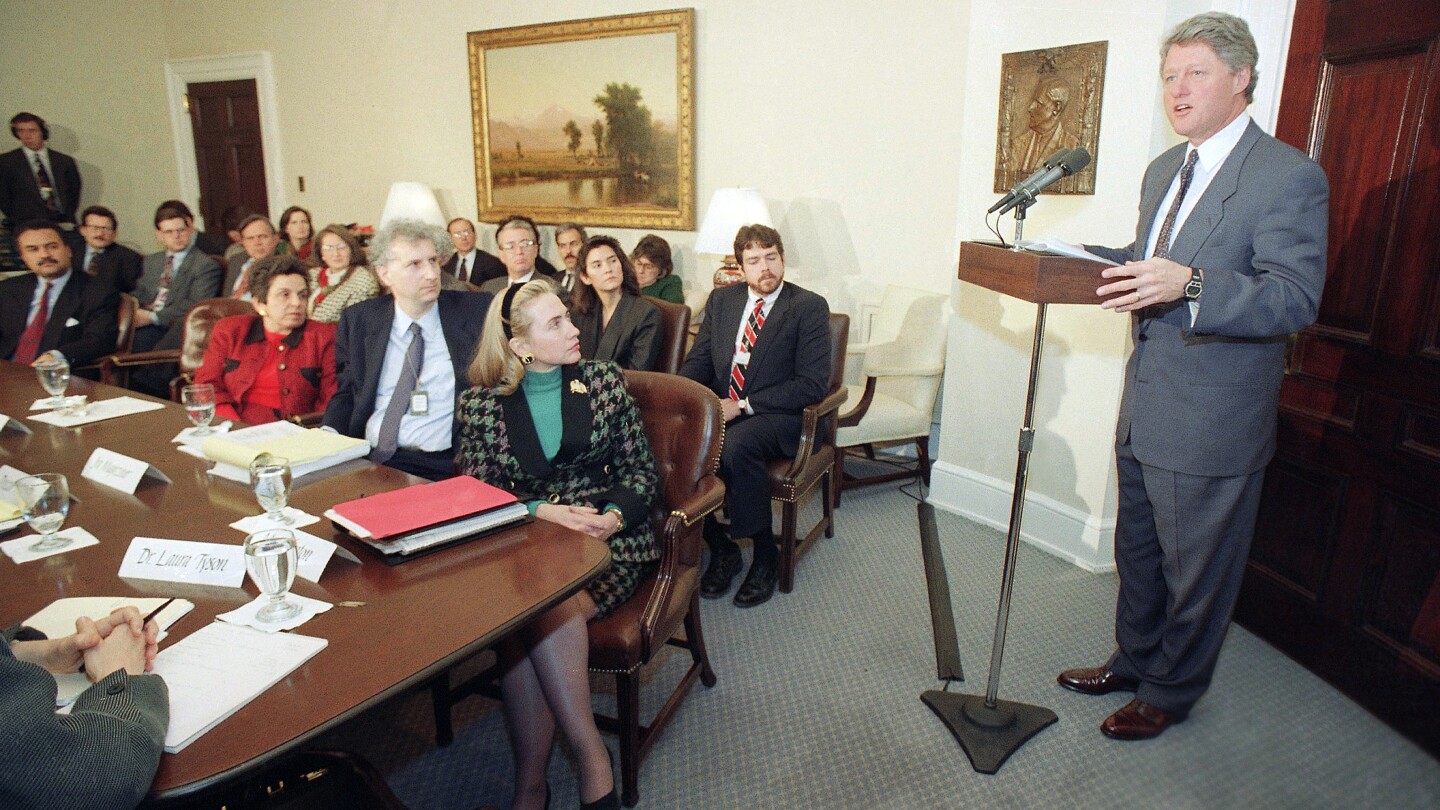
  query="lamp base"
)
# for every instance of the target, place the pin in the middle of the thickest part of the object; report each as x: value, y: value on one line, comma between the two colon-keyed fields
x: 988, y: 735
x: 728, y: 273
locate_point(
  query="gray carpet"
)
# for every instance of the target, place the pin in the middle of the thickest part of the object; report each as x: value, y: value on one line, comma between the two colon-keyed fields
x: 817, y: 703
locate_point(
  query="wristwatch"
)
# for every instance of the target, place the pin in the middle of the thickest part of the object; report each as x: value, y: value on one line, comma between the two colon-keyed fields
x: 1195, y: 285
x: 744, y: 404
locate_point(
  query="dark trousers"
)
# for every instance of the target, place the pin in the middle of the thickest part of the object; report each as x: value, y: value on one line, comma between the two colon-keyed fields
x: 751, y: 442
x: 153, y: 380
x: 1181, y: 542
x: 436, y: 466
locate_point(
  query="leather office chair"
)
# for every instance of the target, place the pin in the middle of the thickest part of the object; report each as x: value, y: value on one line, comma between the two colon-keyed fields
x: 686, y: 428
x: 903, y: 366
x: 194, y: 336
x: 791, y: 480
x: 675, y: 333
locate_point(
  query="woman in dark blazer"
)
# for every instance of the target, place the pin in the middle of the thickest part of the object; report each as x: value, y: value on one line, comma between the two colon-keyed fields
x: 615, y: 323
x: 567, y: 439
x: 275, y: 364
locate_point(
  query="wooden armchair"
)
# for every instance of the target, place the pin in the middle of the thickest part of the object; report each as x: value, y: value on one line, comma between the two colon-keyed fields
x: 791, y: 480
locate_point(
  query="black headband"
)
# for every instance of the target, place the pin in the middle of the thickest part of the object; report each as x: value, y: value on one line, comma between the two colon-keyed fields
x: 505, y: 309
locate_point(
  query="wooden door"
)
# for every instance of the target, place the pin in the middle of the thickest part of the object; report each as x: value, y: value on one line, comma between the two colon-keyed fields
x: 225, y: 117
x: 1344, y: 575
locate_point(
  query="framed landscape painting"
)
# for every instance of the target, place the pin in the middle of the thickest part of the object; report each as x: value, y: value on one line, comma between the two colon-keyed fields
x: 591, y: 121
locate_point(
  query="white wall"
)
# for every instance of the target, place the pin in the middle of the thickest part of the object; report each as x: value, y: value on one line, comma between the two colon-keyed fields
x: 1070, y: 510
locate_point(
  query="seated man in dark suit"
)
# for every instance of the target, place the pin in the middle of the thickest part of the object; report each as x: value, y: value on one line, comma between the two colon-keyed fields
x: 104, y: 258
x: 259, y: 239
x: 518, y: 240
x: 469, y: 263
x: 764, y: 349
x: 54, y: 308
x: 401, y: 359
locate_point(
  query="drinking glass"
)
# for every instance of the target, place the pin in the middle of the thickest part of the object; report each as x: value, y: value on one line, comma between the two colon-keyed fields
x: 54, y: 374
x: 270, y: 479
x: 199, y: 402
x: 271, y: 558
x: 44, y: 503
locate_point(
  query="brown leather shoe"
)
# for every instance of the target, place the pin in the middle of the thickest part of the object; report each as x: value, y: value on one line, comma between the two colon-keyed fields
x: 1095, y: 681
x: 1137, y: 721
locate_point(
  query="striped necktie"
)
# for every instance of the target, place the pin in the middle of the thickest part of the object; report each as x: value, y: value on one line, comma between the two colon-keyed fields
x: 747, y: 340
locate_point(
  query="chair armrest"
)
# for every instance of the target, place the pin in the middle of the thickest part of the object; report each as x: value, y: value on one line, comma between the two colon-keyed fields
x: 681, y: 524
x: 813, y: 419
x: 110, y: 365
x: 308, y: 420
x: 852, y: 417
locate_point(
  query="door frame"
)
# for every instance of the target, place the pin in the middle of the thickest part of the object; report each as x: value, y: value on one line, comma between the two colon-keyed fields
x: 255, y: 65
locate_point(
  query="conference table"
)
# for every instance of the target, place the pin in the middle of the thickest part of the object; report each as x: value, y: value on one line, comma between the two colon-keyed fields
x: 404, y: 624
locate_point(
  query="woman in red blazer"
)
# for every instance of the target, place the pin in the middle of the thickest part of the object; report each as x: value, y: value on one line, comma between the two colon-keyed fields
x: 274, y: 364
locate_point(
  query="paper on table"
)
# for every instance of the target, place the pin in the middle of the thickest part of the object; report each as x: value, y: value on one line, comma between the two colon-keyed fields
x: 221, y: 667
x: 295, y: 443
x: 19, y: 548
x: 245, y: 614
x: 256, y: 523
x: 9, y: 508
x: 1052, y: 245
x: 99, y: 411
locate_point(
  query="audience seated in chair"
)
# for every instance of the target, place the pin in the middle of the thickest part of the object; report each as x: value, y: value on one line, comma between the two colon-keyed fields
x: 53, y: 308
x: 766, y: 363
x: 297, y: 234
x: 518, y: 239
x: 341, y: 277
x: 654, y: 269
x: 274, y: 364
x: 171, y: 281
x: 567, y: 439
x: 615, y: 322
x: 260, y: 241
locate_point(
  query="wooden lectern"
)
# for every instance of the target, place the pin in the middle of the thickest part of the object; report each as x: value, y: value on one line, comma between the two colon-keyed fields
x: 989, y: 729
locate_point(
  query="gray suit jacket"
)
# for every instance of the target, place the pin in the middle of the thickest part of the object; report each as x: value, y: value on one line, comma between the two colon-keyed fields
x: 103, y: 754
x: 631, y: 339
x: 197, y: 278
x: 1202, y: 399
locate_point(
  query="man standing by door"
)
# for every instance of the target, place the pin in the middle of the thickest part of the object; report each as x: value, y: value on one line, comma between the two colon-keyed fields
x: 1228, y: 259
x: 37, y: 182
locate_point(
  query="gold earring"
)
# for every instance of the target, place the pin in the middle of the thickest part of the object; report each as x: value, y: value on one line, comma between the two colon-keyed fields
x: 527, y: 358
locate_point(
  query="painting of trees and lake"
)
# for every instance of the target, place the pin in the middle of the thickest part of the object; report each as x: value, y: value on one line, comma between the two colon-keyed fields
x: 588, y: 120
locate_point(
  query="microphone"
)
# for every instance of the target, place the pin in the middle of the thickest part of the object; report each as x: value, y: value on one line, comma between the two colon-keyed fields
x: 1072, y: 162
x: 1048, y: 163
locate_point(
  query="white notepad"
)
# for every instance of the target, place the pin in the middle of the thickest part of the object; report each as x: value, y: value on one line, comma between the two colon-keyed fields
x: 221, y: 667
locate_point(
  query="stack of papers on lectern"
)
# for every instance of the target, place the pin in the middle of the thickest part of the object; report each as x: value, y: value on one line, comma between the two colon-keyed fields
x: 1060, y: 247
x: 219, y: 668
x: 404, y: 521
x: 308, y: 450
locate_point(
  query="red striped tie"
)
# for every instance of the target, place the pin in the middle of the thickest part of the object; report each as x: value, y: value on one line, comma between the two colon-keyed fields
x: 29, y: 345
x: 747, y: 339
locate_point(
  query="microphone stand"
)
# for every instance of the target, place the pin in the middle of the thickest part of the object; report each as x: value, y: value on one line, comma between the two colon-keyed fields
x: 990, y: 729
x: 1020, y: 223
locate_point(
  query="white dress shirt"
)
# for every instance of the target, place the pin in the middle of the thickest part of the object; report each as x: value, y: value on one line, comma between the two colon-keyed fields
x: 432, y: 431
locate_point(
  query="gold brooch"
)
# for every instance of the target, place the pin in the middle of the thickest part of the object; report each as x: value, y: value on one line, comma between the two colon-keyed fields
x: 577, y: 387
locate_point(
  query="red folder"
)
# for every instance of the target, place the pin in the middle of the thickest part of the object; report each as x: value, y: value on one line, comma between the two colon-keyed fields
x: 402, y: 511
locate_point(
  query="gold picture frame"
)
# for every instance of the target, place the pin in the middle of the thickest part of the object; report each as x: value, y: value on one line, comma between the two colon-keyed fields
x: 587, y: 121
x: 1049, y: 100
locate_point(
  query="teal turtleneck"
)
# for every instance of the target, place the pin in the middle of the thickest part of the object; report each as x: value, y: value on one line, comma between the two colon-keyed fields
x: 542, y: 394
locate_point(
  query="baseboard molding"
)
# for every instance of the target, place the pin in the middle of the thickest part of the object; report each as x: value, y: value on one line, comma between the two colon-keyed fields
x: 1074, y: 536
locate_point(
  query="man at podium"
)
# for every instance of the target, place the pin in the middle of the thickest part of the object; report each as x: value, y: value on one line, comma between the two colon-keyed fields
x: 1228, y: 259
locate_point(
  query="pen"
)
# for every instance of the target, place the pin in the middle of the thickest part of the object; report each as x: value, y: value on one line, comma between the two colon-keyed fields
x: 156, y: 611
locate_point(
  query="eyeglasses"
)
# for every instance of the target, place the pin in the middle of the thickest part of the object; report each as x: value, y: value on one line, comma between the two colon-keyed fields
x: 523, y: 244
x: 462, y: 234
x: 174, y: 231
x: 334, y: 248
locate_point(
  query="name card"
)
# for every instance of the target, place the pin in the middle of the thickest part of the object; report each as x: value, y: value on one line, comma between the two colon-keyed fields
x: 184, y: 561
x: 120, y: 472
x: 313, y: 554
x: 6, y: 423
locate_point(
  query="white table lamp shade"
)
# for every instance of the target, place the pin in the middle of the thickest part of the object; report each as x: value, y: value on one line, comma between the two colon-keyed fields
x: 412, y: 201
x: 729, y: 209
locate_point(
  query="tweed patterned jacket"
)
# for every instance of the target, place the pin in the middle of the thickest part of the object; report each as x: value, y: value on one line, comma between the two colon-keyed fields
x: 359, y: 284
x: 103, y: 754
x: 603, y: 458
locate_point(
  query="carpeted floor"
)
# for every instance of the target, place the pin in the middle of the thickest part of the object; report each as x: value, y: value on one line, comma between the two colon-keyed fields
x: 817, y: 703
